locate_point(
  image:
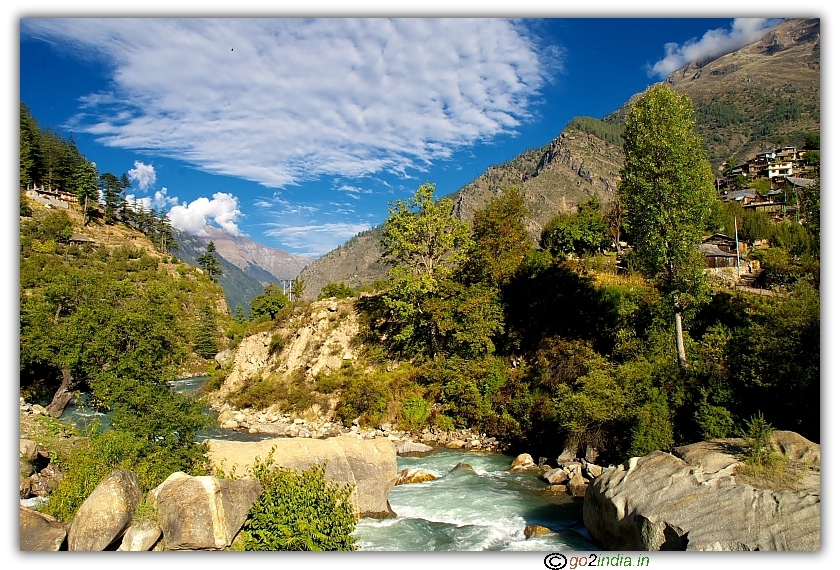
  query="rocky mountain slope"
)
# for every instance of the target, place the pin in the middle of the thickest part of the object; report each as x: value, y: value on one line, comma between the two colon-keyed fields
x: 251, y: 257
x: 249, y: 266
x: 760, y: 96
x: 765, y: 94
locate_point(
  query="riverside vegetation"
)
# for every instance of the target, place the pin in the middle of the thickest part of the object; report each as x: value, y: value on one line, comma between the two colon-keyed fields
x: 116, y: 316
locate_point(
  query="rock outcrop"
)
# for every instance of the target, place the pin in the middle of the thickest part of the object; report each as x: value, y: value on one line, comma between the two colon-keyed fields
x: 369, y: 465
x: 106, y: 513
x: 203, y: 513
x: 662, y: 502
x: 40, y: 532
x: 140, y: 537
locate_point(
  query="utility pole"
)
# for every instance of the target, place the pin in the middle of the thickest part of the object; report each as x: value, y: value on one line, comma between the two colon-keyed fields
x: 737, y: 249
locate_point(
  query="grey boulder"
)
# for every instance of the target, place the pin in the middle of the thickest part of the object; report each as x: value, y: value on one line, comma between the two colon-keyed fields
x: 202, y: 513
x: 106, y: 513
x: 661, y: 502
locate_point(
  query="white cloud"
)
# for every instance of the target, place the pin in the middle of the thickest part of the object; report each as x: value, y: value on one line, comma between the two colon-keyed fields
x: 318, y: 239
x: 714, y: 43
x: 143, y: 174
x: 193, y: 218
x: 160, y: 201
x: 282, y: 100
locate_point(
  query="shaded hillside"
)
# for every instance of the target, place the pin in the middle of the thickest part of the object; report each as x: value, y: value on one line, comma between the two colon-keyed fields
x: 240, y: 287
x: 764, y: 94
x: 354, y: 263
x: 250, y: 256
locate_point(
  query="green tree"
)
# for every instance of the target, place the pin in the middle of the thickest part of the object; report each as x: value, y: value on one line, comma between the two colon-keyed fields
x: 206, y: 335
x: 584, y: 232
x: 164, y: 235
x: 125, y: 184
x: 298, y: 287
x: 110, y: 186
x: 209, y: 263
x: 667, y: 186
x: 500, y: 239
x: 426, y: 244
x: 87, y: 189
x: 422, y: 235
x: 269, y: 302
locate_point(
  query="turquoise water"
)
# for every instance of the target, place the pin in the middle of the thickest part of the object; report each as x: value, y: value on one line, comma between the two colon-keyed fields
x: 464, y: 510
x: 483, y: 509
x: 81, y: 414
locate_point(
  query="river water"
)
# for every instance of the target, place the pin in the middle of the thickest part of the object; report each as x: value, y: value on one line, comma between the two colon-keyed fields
x: 485, y: 508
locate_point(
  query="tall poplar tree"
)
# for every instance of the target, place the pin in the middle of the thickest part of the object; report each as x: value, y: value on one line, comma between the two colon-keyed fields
x: 667, y: 188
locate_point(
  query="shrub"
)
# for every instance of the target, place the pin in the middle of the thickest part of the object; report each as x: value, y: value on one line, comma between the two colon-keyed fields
x: 365, y: 398
x: 298, y: 511
x: 415, y: 412
x: 713, y: 421
x: 757, y: 438
x: 337, y: 290
x: 276, y: 344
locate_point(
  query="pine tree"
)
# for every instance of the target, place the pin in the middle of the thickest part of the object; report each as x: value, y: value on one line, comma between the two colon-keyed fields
x: 125, y: 184
x: 85, y: 181
x: 209, y: 264
x: 205, y: 334
x: 165, y: 236
x: 110, y: 186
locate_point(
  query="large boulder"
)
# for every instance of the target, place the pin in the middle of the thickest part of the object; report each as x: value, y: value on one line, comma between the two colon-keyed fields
x: 796, y: 448
x: 106, y: 513
x: 370, y: 465
x: 523, y: 462
x: 40, y: 532
x: 203, y: 513
x: 412, y: 449
x: 661, y: 502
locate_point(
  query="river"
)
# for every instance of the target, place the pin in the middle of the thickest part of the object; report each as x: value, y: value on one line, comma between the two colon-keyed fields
x: 486, y: 508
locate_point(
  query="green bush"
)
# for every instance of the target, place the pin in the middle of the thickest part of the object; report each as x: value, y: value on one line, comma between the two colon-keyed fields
x: 653, y: 429
x: 298, y: 511
x: 415, y: 412
x: 365, y: 397
x: 337, y: 290
x: 713, y: 421
x: 276, y: 344
x: 756, y: 436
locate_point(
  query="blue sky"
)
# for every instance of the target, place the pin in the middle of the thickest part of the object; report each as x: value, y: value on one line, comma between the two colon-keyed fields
x: 298, y: 133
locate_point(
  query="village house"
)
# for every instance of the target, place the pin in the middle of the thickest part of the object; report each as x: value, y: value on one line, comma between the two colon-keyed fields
x: 51, y: 197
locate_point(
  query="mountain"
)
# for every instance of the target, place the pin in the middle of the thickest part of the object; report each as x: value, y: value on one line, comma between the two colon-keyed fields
x: 764, y: 94
x: 255, y: 258
x: 239, y: 287
x: 249, y: 266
